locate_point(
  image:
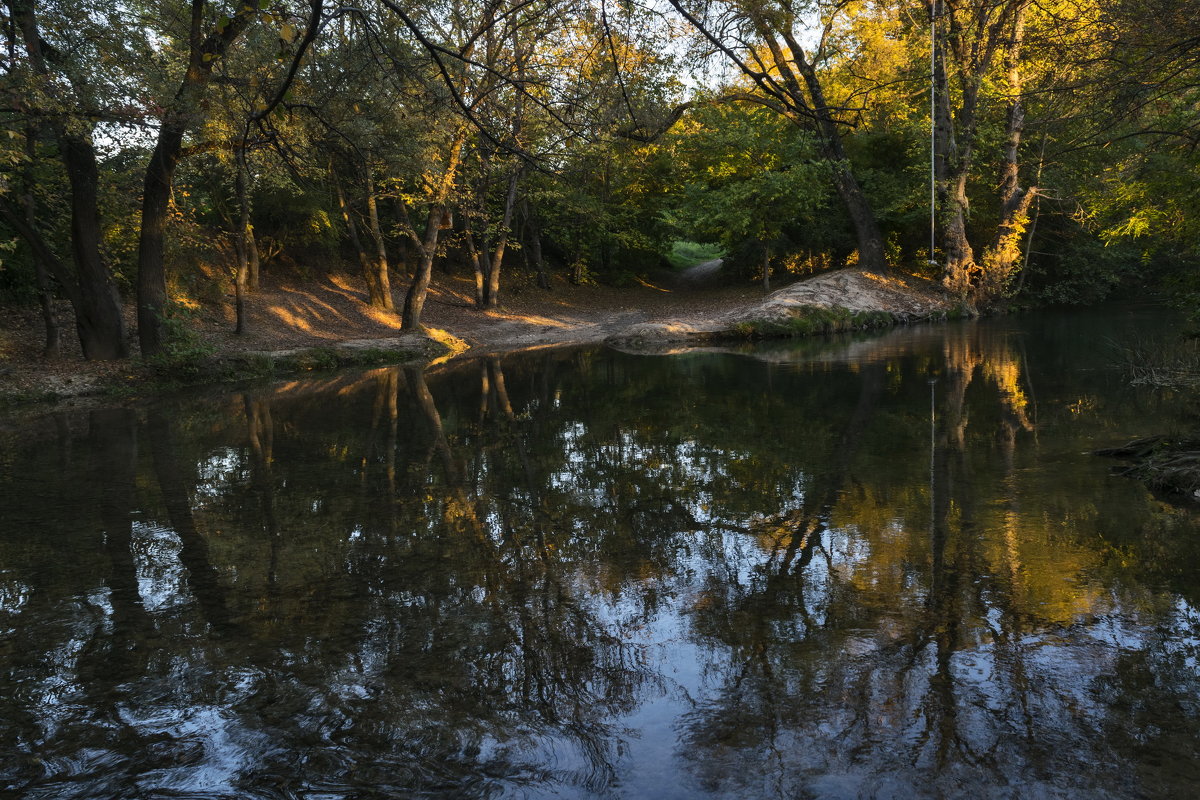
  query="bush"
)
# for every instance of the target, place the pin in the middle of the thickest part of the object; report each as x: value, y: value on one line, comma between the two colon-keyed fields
x: 185, y: 355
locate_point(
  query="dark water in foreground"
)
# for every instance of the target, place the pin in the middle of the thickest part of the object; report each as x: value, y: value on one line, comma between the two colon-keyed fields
x: 865, y: 568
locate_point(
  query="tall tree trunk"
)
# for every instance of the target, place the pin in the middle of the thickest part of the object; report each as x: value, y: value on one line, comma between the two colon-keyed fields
x: 186, y: 106
x: 439, y: 216
x: 156, y: 201
x: 52, y: 348
x: 1001, y: 259
x: 959, y: 269
x: 971, y: 40
x: 98, y: 318
x: 476, y: 263
x: 364, y: 260
x: 534, y: 245
x: 952, y: 163
x: 379, y: 285
x: 491, y: 295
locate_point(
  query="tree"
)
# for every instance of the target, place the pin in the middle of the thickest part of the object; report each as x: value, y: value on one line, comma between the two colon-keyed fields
x: 204, y: 51
x: 748, y: 177
x: 760, y: 38
x: 54, y: 91
x: 975, y: 35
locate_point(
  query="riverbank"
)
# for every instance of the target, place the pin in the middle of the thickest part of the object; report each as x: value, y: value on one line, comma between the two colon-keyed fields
x: 323, y: 324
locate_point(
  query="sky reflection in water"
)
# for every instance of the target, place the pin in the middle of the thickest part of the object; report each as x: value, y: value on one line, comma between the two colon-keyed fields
x: 870, y: 567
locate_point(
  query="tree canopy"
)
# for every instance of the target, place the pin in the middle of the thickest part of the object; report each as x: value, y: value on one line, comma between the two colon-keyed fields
x: 149, y: 144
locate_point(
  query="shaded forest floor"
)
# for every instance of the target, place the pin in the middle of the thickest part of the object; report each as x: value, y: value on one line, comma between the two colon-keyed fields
x: 291, y: 313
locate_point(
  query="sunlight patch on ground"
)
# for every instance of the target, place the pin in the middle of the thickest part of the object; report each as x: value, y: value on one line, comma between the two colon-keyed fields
x: 454, y: 345
x: 649, y: 285
x: 531, y: 319
x: 343, y: 282
x: 388, y: 319
x: 287, y: 317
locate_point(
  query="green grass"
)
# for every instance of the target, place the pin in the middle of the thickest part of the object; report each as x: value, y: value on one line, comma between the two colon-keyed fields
x: 684, y: 255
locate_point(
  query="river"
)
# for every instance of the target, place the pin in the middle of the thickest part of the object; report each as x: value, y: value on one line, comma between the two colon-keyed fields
x: 871, y: 566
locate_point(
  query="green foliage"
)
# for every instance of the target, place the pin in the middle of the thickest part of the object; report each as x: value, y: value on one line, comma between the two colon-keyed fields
x: 747, y: 175
x: 1085, y: 270
x: 686, y: 254
x: 611, y: 191
x: 185, y: 355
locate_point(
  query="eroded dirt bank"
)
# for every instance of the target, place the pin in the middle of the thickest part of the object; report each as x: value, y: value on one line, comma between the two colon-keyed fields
x: 323, y: 323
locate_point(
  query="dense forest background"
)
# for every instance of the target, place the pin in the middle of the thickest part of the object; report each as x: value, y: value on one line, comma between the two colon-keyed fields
x: 159, y: 153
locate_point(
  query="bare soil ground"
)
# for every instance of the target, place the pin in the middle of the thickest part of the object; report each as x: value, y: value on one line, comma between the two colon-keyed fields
x: 287, y: 315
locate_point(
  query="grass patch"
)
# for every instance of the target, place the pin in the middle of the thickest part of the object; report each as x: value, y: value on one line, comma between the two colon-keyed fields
x: 813, y: 320
x: 1172, y: 363
x: 15, y: 399
x: 684, y: 255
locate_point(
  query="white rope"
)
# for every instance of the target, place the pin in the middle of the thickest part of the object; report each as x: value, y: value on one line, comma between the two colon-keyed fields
x: 932, y: 130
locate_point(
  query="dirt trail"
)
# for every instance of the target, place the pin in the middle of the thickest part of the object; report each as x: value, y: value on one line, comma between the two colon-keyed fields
x: 705, y: 274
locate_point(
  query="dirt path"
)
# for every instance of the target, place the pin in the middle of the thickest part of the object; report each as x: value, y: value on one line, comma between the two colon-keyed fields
x: 701, y: 275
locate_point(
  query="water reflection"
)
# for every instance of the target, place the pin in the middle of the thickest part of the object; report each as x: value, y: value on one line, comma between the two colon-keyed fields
x: 852, y: 570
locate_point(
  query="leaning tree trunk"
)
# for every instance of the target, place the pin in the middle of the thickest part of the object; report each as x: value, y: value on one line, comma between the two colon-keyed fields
x: 364, y: 260
x: 439, y: 219
x: 98, y: 317
x: 414, y: 299
x: 871, y: 256
x: 186, y: 106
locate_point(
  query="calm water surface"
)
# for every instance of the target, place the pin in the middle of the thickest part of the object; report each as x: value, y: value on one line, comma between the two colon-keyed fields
x: 874, y: 567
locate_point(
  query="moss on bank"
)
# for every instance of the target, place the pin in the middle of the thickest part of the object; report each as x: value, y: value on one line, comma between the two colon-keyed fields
x: 816, y: 320
x: 813, y: 320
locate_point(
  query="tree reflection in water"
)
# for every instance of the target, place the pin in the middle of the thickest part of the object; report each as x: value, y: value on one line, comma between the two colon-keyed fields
x: 592, y: 574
